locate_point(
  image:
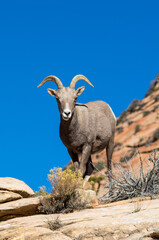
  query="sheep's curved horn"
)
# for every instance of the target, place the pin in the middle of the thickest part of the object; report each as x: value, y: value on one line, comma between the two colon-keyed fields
x: 52, y: 78
x: 77, y: 78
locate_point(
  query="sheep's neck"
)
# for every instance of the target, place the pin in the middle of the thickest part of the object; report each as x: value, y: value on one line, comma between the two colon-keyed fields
x: 69, y: 125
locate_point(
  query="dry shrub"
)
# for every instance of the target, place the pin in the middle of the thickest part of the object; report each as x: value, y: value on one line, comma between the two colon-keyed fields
x: 131, y: 184
x: 54, y: 224
x: 65, y: 196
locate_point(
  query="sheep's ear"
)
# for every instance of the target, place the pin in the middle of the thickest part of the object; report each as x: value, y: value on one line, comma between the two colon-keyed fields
x: 80, y: 90
x: 52, y: 92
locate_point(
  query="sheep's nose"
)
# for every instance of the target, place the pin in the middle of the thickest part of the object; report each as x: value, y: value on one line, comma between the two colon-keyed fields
x: 67, y: 113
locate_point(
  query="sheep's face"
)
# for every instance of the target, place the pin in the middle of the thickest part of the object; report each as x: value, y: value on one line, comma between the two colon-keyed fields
x: 66, y: 98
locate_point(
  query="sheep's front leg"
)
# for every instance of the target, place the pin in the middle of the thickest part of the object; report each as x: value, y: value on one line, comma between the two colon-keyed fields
x: 86, y: 152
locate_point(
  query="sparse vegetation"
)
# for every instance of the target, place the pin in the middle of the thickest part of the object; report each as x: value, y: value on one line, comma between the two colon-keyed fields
x: 130, y: 122
x: 122, y: 117
x: 97, y: 156
x: 156, y: 98
x: 148, y: 142
x: 97, y: 180
x: 156, y: 135
x: 117, y: 146
x: 54, y: 224
x: 133, y: 105
x: 119, y: 130
x: 128, y: 157
x: 137, y: 129
x: 141, y: 105
x: 137, y: 204
x: 72, y: 168
x: 153, y: 86
x: 130, y: 183
x: 136, y: 105
x: 145, y: 113
x: 64, y: 196
x: 140, y: 140
x: 155, y: 108
x: 41, y: 192
x: 99, y: 166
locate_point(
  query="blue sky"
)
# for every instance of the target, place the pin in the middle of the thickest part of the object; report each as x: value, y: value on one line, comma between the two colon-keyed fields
x: 115, y: 44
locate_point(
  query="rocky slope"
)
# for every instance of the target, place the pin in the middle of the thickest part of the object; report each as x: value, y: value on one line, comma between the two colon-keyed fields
x: 137, y: 129
x: 129, y: 220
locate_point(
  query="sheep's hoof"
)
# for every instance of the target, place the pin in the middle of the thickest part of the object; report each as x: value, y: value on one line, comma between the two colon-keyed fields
x: 86, y: 178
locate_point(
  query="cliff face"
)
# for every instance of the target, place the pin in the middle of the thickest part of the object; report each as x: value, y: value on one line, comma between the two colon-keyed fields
x: 137, y: 129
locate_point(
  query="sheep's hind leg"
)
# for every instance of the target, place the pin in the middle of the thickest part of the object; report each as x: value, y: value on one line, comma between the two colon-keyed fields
x: 109, y: 153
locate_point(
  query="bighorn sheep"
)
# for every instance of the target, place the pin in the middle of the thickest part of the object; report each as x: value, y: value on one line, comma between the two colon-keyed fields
x: 84, y: 128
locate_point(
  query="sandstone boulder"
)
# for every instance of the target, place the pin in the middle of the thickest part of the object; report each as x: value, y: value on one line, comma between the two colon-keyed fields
x: 6, y: 196
x: 18, y: 208
x: 88, y: 196
x: 15, y: 185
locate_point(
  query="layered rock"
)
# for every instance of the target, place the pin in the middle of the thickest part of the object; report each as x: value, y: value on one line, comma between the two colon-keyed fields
x: 7, y: 196
x: 22, y: 207
x: 14, y: 199
x: 16, y: 186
